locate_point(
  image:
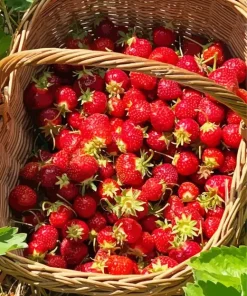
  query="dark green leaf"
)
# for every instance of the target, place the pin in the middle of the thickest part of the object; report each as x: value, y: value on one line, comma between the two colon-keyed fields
x: 20, y: 5
x: 4, y: 44
x: 212, y: 289
x: 244, y: 284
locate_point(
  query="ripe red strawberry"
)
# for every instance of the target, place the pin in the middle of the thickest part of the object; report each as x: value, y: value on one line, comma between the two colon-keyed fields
x: 73, y: 253
x: 210, y: 134
x: 163, y: 237
x: 56, y: 261
x: 162, y: 117
x: 75, y: 230
x: 96, y: 222
x: 42, y: 156
x: 22, y: 198
x: 232, y: 117
x: 193, y: 45
x: 216, y: 51
x: 59, y: 214
x: 158, y: 141
x: 142, y: 81
x: 217, y: 212
x: 164, y: 55
x: 186, y: 132
x: 138, y: 47
x: 213, y: 158
x: 34, y: 217
x: 192, y: 95
x: 109, y: 189
x: 189, y: 63
x: 103, y: 44
x: 30, y: 171
x: 82, y: 167
x: 238, y: 66
x: 231, y: 136
x: 67, y: 140
x: 88, y: 80
x: 230, y: 162
x: 66, y: 99
x: 163, y: 36
x: 148, y: 223
x: 48, y: 117
x: 46, y: 234
x: 84, y: 206
x: 62, y: 70
x: 119, y: 265
x: 105, y: 28
x: 106, y: 238
x: 48, y: 175
x: 186, y: 163
x: 61, y: 160
x: 116, y: 107
x: 139, y: 112
x: 210, y: 111
x: 67, y: 190
x: 217, y: 184
x: 144, y: 245
x: 196, y: 205
x: 242, y: 93
x: 117, y: 82
x: 93, y: 102
x: 184, y: 250
x: 174, y: 204
x: 93, y: 267
x: 127, y: 229
x: 188, y: 191
x: 153, y: 189
x: 210, y: 226
x: 160, y: 263
x: 133, y: 95
x: 168, y: 90
x: 106, y: 169
x: 166, y: 173
x: 186, y: 109
x: 36, y: 251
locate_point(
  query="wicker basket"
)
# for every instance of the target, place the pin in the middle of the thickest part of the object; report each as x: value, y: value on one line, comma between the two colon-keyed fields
x: 45, y: 25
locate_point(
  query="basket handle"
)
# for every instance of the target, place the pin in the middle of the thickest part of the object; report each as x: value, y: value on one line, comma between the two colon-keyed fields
x: 101, y: 59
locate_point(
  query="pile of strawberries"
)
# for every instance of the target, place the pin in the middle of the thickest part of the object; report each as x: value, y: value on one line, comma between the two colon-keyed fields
x: 136, y: 170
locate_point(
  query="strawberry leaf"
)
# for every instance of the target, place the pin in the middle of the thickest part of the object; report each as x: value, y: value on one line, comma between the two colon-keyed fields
x: 19, y: 5
x: 193, y: 290
x: 244, y: 284
x: 5, y: 43
x: 11, y: 240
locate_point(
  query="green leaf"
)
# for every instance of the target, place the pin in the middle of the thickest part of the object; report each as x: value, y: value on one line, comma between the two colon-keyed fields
x: 19, y: 5
x: 4, y: 44
x: 193, y: 290
x: 244, y: 284
x: 211, y: 289
x: 11, y: 240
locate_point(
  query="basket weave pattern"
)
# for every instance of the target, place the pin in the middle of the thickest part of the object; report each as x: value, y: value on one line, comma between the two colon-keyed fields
x: 44, y: 26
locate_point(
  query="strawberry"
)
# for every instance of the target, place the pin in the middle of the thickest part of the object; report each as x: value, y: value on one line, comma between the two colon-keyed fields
x: 232, y: 117
x: 96, y: 222
x: 33, y: 217
x: 22, y: 198
x: 106, y: 169
x: 48, y: 117
x: 142, y: 81
x: 216, y: 212
x: 158, y: 141
x: 242, y: 93
x: 166, y: 173
x: 36, y: 251
x: 148, y: 223
x: 117, y: 82
x: 164, y: 55
x: 109, y: 189
x: 188, y: 191
x: 105, y: 28
x: 186, y: 109
x: 213, y: 158
x: 138, y: 47
x: 186, y: 131
x: 168, y: 90
x: 103, y: 44
x: 133, y: 95
x: 131, y: 169
x: 48, y: 175
x: 210, y: 134
x: 218, y: 184
x: 75, y: 230
x: 84, y: 206
x: 163, y: 237
x: 93, y: 102
x: 153, y: 189
x: 106, y: 238
x: 66, y: 190
x: 210, y: 226
x: 189, y: 63
x: 186, y: 163
x: 193, y: 45
x: 46, y: 234
x: 119, y: 265
x: 127, y: 229
x: 116, y: 107
x: 61, y: 160
x: 184, y: 250
x: 66, y: 99
x: 67, y: 140
x: 56, y: 261
x: 59, y: 214
x: 62, y: 70
x: 238, y: 66
x: 163, y: 36
x: 162, y: 117
x: 30, y: 171
x: 210, y: 111
x: 231, y: 135
x: 213, y: 52
x: 139, y: 112
x: 196, y: 205
x: 160, y: 263
x: 230, y: 162
x: 82, y: 167
x: 191, y: 95
x: 93, y: 267
x: 144, y: 245
x: 88, y: 80
x: 73, y: 253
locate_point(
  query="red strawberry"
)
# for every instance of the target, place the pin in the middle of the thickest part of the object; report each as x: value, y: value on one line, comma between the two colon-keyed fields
x: 153, y: 189
x: 148, y: 223
x: 59, y: 214
x: 188, y: 191
x: 189, y: 63
x: 106, y: 238
x: 214, y: 51
x: 133, y: 95
x: 46, y: 234
x: 218, y: 184
x: 196, y: 205
x: 127, y: 229
x: 36, y: 251
x: 158, y: 141
x: 61, y: 160
x: 192, y: 95
x: 84, y: 206
x: 163, y: 237
x: 142, y: 81
x: 73, y: 253
x: 66, y: 99
x: 96, y: 222
x: 106, y: 169
x: 30, y: 171
x: 186, y: 109
x: 109, y: 189
x: 22, y: 198
x: 105, y: 28
x: 93, y: 102
x: 48, y: 175
x: 186, y: 163
x: 193, y: 45
x: 166, y: 173
x: 67, y: 140
x: 117, y: 81
x: 168, y: 90
x: 230, y: 162
x: 210, y: 226
x: 138, y: 47
x: 231, y: 136
x: 174, y: 204
x: 160, y: 263
x: 184, y: 250
x: 217, y: 212
x: 186, y: 132
x: 56, y: 261
x: 210, y: 134
x: 210, y: 111
x: 139, y: 112
x: 163, y: 36
x: 75, y: 230
x: 119, y: 265
x: 213, y: 158
x: 62, y: 70
x: 88, y: 80
x: 164, y: 55
x: 116, y: 107
x: 33, y: 217
x: 48, y: 117
x: 238, y: 66
x: 144, y: 245
x: 242, y: 93
x: 103, y: 44
x: 232, y: 117
x: 162, y: 117
x: 93, y: 267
